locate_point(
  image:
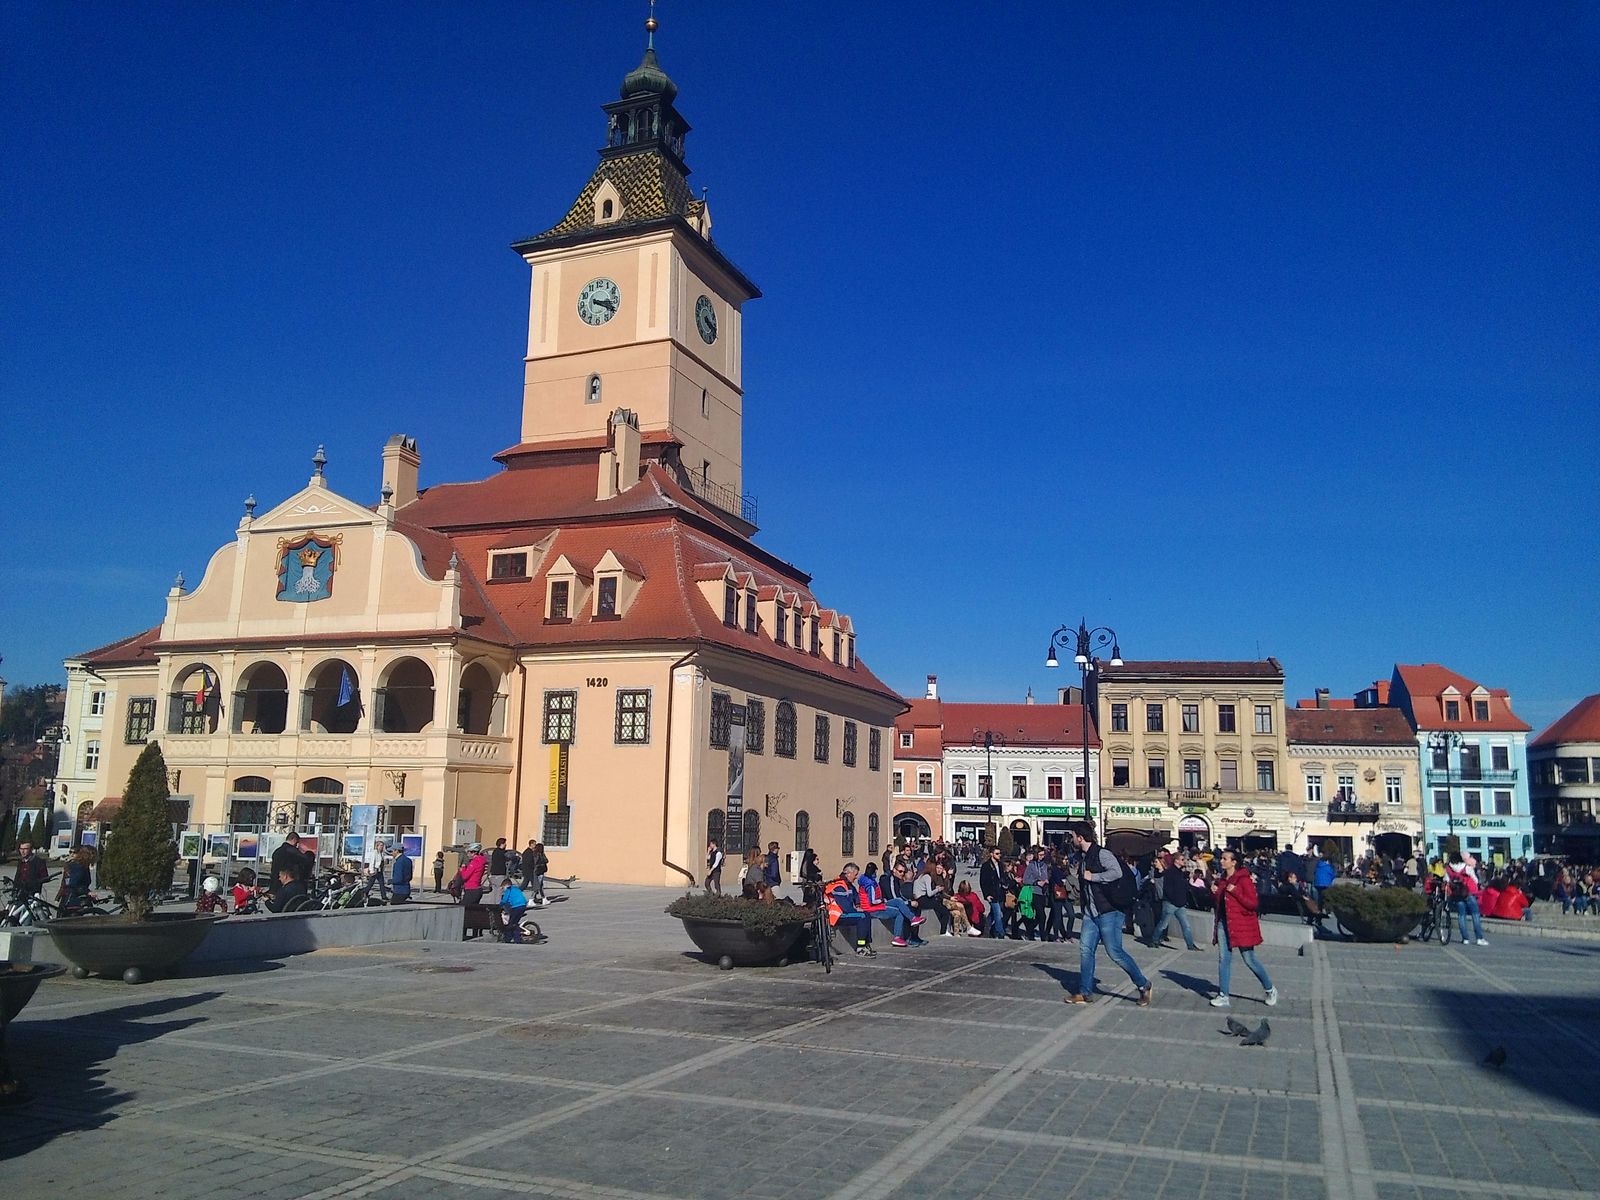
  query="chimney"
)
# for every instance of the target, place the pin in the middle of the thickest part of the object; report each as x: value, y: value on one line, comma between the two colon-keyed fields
x: 401, y: 463
x: 625, y: 441
x: 1322, y: 697
x: 933, y: 687
x: 606, y: 487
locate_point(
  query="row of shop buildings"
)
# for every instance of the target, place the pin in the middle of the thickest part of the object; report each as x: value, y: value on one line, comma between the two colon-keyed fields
x: 1212, y: 755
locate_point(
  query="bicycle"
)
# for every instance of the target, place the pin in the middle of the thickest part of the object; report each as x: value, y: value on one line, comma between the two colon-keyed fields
x: 822, y: 939
x: 30, y: 909
x: 1436, y: 920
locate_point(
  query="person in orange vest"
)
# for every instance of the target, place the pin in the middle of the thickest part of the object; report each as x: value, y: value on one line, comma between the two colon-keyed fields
x: 843, y: 898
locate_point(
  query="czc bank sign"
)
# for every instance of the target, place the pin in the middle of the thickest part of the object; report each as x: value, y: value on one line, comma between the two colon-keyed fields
x: 1486, y: 823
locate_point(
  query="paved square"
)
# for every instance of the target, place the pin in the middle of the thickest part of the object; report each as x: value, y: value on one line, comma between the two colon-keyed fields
x: 612, y: 1063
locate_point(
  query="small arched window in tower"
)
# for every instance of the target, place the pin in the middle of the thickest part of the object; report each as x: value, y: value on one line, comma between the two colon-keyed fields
x: 592, y: 395
x: 606, y: 209
x: 705, y: 403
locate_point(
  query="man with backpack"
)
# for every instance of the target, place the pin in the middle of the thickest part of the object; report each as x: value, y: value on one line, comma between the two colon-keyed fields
x: 1108, y: 892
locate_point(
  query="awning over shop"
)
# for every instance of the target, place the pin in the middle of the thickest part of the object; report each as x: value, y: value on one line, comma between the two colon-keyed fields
x: 1136, y: 843
x: 106, y: 809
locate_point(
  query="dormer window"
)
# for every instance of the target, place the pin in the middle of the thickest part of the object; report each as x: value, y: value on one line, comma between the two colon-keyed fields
x: 816, y: 637
x: 850, y: 652
x: 607, y: 203
x: 606, y: 597
x: 607, y: 208
x: 780, y: 633
x: 838, y: 646
x: 509, y: 566
x: 730, y: 606
x: 750, y: 615
x: 1452, y: 710
x: 1480, y: 710
x: 560, y: 600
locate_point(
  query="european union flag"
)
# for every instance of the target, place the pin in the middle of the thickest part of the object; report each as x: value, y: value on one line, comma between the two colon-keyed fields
x: 347, y: 687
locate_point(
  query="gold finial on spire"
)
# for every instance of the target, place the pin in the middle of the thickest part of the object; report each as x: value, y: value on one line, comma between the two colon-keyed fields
x: 650, y: 27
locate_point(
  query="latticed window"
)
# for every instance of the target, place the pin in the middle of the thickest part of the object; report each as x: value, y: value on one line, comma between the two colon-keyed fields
x: 141, y: 719
x: 802, y: 831
x: 783, y: 730
x: 874, y: 833
x: 560, y: 719
x: 721, y: 719
x: 716, y: 821
x: 752, y: 831
x: 633, y: 716
x: 849, y: 743
x: 875, y: 749
x: 558, y: 830
x: 755, y: 726
x: 823, y: 729
x: 847, y: 834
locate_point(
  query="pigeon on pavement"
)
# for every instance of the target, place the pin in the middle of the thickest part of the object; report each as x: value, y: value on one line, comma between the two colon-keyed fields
x: 1257, y: 1038
x: 1235, y: 1028
x: 1496, y: 1058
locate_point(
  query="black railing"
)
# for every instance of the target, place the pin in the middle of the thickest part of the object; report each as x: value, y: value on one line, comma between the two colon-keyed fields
x: 720, y: 495
x: 1469, y: 776
x: 1350, y: 810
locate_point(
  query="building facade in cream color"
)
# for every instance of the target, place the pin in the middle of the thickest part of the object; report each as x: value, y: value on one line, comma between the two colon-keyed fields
x: 1198, y: 747
x: 1354, y: 782
x: 584, y: 648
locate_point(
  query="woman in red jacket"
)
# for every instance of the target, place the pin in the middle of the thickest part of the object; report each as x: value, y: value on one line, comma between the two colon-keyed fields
x: 1237, y: 927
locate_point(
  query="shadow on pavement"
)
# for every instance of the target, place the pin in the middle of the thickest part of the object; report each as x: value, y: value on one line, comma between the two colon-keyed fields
x: 1192, y: 983
x: 1538, y: 1059
x: 223, y: 969
x: 75, y: 1096
x: 1067, y: 979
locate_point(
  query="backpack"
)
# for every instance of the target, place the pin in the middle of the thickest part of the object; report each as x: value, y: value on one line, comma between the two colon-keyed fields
x: 1121, y: 892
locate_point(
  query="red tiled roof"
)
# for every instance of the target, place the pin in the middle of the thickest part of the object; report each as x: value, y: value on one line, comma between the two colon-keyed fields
x: 1267, y: 668
x: 1330, y: 702
x: 128, y: 651
x: 1580, y: 724
x: 923, y: 720
x: 1348, y: 726
x: 1019, y: 724
x: 1426, y: 684
x: 599, y: 441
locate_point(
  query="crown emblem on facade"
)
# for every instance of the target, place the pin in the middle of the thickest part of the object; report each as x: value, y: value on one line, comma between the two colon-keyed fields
x: 308, y: 557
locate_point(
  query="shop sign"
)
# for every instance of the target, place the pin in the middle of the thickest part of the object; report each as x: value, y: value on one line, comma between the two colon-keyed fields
x: 1486, y: 823
x: 1196, y: 810
x: 1051, y: 810
x: 973, y: 810
x: 1135, y: 810
x: 1193, y: 824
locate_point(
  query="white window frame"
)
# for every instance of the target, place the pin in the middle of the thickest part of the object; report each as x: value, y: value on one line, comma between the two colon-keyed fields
x: 1019, y: 793
x: 906, y: 739
x: 958, y: 786
x: 97, y: 703
x: 899, y: 783
x: 1314, y: 789
x: 1347, y: 784
x: 1394, y: 788
x: 925, y: 782
x: 91, y: 755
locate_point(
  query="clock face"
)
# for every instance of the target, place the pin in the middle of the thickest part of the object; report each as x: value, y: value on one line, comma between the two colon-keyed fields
x: 705, y: 319
x: 598, y: 302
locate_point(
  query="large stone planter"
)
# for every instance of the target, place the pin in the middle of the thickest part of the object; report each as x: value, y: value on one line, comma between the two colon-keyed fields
x: 18, y: 982
x: 132, y: 949
x: 1371, y: 921
x: 731, y: 944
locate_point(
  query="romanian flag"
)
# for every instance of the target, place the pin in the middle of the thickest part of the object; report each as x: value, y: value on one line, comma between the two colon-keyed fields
x: 204, y: 689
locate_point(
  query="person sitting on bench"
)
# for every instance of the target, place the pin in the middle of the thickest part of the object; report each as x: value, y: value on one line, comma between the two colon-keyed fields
x: 892, y: 909
x: 843, y: 899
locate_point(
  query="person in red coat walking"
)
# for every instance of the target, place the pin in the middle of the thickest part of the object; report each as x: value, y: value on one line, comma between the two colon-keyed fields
x: 1237, y: 927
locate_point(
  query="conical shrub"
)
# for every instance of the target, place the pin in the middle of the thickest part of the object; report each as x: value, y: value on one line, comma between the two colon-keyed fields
x: 137, y: 860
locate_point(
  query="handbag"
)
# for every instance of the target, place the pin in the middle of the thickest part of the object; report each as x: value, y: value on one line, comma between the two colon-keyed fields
x: 1011, y: 900
x: 1060, y: 892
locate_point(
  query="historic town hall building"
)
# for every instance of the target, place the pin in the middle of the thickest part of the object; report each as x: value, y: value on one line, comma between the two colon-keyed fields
x: 586, y: 647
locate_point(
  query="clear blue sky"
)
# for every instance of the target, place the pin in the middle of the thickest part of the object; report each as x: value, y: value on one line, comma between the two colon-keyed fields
x: 1238, y: 327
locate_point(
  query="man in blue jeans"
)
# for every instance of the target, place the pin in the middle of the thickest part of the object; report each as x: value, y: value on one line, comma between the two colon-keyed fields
x: 992, y: 886
x: 1102, y: 922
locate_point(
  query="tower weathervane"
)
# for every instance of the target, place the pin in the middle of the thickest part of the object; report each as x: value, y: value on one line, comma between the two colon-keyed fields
x: 650, y: 27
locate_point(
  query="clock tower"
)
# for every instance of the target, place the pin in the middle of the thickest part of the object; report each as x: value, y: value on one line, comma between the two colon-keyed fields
x: 633, y: 305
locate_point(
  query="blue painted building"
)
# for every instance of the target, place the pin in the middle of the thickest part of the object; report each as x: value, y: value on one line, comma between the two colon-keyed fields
x: 1474, y: 759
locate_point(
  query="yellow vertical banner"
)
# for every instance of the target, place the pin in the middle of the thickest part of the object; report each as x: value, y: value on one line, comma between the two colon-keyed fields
x: 557, y: 777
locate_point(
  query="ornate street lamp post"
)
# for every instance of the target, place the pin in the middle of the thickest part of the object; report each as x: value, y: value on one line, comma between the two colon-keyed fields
x: 1443, y: 742
x: 989, y: 739
x: 1083, y: 642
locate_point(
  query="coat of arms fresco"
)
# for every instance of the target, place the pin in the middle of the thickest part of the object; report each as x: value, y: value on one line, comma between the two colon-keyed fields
x: 306, y: 566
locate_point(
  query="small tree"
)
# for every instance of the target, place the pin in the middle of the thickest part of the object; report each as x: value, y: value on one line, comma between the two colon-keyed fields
x: 8, y: 834
x: 1008, y: 843
x: 139, y: 855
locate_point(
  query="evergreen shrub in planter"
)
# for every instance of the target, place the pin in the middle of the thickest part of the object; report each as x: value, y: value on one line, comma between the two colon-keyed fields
x: 1375, y: 914
x: 136, y: 863
x: 739, y: 932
